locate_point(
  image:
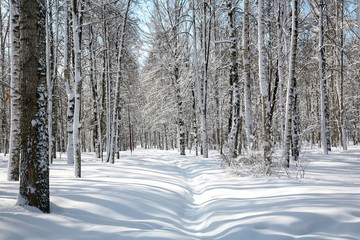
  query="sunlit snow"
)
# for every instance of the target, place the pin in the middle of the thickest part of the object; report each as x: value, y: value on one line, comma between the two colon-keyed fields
x: 153, y: 194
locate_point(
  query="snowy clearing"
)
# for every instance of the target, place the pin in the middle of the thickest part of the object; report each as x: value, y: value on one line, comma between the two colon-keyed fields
x: 155, y: 194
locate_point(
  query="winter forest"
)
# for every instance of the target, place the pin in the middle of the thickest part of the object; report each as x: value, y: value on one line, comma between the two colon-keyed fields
x: 251, y: 84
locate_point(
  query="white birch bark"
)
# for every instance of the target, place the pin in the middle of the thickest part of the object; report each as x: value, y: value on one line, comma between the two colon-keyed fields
x: 96, y: 106
x: 234, y: 79
x: 70, y: 94
x: 340, y: 72
x: 264, y: 88
x: 70, y: 123
x: 15, y: 138
x: 107, y: 81
x: 246, y: 77
x: 291, y: 85
x: 77, y: 88
x: 202, y: 93
x: 322, y: 81
x: 49, y: 83
x: 111, y: 157
x: 280, y: 66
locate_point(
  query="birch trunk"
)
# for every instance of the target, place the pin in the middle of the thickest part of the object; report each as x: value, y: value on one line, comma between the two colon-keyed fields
x: 264, y: 89
x: 234, y: 79
x: 280, y: 67
x: 201, y: 91
x: 15, y: 137
x: 77, y: 87
x: 324, y: 110
x: 107, y: 82
x: 246, y: 77
x: 34, y: 176
x: 340, y: 72
x: 179, y: 103
x: 111, y: 156
x: 70, y: 94
x: 95, y: 101
x: 3, y: 94
x: 49, y: 83
x: 290, y: 103
x: 176, y: 77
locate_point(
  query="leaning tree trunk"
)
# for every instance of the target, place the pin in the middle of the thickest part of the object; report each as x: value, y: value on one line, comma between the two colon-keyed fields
x: 264, y: 89
x: 34, y: 176
x: 15, y: 137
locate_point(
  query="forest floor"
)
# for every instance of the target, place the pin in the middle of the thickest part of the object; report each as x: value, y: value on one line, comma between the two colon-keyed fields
x: 153, y: 194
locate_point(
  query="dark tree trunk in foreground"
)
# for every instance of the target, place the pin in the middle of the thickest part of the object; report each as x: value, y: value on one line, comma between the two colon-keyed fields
x: 34, y: 175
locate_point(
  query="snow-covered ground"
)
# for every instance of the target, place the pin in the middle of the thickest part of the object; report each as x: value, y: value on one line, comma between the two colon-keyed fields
x: 155, y: 194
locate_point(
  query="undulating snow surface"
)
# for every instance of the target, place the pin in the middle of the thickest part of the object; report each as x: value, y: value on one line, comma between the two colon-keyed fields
x: 155, y: 194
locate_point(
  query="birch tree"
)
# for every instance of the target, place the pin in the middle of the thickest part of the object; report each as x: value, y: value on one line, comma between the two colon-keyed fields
x: 291, y: 89
x: 202, y: 88
x: 340, y: 72
x: 3, y: 92
x: 246, y: 77
x: 49, y: 81
x: 325, y: 134
x: 34, y: 175
x: 234, y: 80
x: 15, y: 137
x: 70, y: 94
x: 110, y: 156
x: 265, y: 105
x: 95, y: 94
x: 76, y: 28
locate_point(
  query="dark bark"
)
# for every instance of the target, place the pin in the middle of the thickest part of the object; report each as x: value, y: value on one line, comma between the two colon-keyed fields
x: 34, y: 176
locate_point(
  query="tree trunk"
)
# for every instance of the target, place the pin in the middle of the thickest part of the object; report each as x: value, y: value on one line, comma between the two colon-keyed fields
x: 290, y: 103
x: 70, y: 94
x: 246, y: 76
x: 280, y: 68
x: 111, y: 157
x: 202, y: 91
x: 49, y: 81
x: 264, y: 89
x: 324, y: 109
x: 15, y: 137
x: 34, y: 176
x: 340, y: 72
x: 234, y: 78
x: 77, y: 86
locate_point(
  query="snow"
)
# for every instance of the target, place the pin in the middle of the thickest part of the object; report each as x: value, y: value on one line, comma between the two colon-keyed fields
x: 153, y: 194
